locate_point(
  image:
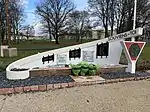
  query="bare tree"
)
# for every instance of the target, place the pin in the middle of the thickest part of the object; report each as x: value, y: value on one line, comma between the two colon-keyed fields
x: 112, y: 21
x: 101, y: 9
x: 2, y: 21
x: 124, y: 14
x: 46, y: 27
x: 28, y: 31
x: 79, y: 23
x: 143, y: 13
x: 15, y: 14
x: 55, y: 13
x: 120, y: 13
x: 120, y: 16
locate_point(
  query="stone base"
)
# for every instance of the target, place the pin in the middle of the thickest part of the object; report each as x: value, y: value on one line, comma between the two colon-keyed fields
x: 2, y: 50
x: 120, y: 68
x: 87, y: 78
x: 108, y: 70
x: 68, y: 71
x: 50, y: 72
x: 10, y: 52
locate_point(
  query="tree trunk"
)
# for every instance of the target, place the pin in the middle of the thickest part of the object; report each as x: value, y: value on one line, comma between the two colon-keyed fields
x: 27, y: 37
x: 81, y: 38
x: 2, y: 36
x: 49, y: 31
x: 112, y: 24
x: 77, y: 36
x: 57, y: 42
x: 0, y: 30
x: 14, y: 33
x: 112, y: 30
x: 106, y: 32
x: 17, y: 33
x: 57, y: 37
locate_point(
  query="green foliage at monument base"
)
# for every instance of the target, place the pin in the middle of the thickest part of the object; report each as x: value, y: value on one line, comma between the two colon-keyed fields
x: 84, y: 69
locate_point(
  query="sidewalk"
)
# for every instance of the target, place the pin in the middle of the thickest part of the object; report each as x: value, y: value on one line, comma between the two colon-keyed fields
x: 119, y: 97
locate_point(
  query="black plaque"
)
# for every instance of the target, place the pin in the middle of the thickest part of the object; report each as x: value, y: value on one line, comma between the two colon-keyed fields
x: 75, y: 53
x: 102, y: 49
x: 48, y: 58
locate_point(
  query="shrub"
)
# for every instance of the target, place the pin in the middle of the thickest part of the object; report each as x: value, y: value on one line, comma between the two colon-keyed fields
x: 92, y: 69
x: 83, y: 68
x: 76, y: 69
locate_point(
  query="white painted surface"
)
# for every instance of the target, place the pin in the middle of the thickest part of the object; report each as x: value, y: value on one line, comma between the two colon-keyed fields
x: 33, y: 61
x: 2, y: 48
x: 13, y: 75
x: 131, y: 67
x: 134, y: 18
x: 129, y: 34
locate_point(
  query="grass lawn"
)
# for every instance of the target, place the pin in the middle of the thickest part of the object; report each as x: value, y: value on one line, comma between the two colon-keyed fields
x: 146, y: 53
x: 27, y: 48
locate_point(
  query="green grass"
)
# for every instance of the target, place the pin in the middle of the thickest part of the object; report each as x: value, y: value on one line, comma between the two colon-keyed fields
x: 45, y: 44
x: 27, y: 48
x: 146, y: 53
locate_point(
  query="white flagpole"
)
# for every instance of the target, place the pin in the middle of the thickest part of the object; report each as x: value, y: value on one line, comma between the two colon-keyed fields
x: 132, y: 65
x: 134, y: 20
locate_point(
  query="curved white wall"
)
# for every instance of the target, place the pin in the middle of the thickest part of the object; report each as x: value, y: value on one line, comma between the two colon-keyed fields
x: 36, y: 60
x: 13, y: 75
x: 33, y: 61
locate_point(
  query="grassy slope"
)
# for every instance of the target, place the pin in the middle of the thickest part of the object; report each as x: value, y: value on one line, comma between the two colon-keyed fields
x: 146, y: 53
x: 28, y: 48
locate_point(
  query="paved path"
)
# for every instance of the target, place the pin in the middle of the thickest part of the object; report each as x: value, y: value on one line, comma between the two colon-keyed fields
x: 121, y: 97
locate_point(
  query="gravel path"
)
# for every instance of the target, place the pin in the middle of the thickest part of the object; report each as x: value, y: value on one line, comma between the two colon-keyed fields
x: 119, y: 97
x: 115, y: 75
x: 5, y: 83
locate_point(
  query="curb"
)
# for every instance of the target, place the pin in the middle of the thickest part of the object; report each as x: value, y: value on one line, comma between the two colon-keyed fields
x: 47, y: 87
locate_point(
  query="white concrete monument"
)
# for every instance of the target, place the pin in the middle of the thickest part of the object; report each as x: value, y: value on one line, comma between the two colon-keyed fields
x: 105, y: 51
